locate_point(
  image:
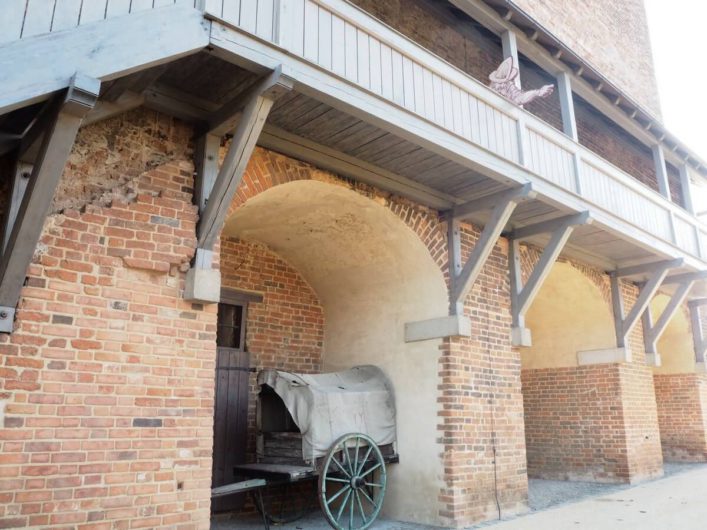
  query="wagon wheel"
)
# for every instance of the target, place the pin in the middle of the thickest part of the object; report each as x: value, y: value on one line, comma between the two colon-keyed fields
x: 352, y: 483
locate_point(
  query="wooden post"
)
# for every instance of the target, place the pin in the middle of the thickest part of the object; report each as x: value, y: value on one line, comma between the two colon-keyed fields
x: 564, y: 91
x: 510, y: 49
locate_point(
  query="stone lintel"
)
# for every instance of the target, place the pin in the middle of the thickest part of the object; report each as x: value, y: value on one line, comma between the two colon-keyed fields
x: 438, y: 328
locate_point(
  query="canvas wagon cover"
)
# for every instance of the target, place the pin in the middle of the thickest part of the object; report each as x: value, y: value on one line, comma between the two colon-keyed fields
x: 327, y: 406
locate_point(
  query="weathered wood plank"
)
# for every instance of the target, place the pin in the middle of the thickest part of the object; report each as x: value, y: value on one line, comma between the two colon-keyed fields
x: 38, y: 17
x: 105, y: 51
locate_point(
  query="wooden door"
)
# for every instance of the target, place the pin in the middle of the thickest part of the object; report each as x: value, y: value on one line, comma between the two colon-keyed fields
x: 231, y: 401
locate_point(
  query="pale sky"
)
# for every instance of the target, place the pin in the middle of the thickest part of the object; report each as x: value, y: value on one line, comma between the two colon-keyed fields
x: 678, y: 34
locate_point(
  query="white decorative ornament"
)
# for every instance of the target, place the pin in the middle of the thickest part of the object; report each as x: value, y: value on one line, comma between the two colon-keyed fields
x: 503, y: 82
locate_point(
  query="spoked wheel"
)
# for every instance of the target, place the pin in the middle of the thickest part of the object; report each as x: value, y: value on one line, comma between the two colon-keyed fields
x: 352, y: 483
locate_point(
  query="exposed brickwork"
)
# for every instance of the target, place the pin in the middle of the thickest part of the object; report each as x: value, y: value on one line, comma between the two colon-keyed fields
x: 109, y: 374
x: 481, y: 419
x: 682, y: 415
x: 593, y: 423
x: 476, y: 414
x: 463, y: 42
x: 612, y: 36
x: 286, y: 330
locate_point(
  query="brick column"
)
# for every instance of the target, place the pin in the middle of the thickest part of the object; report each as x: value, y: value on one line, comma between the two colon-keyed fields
x: 481, y: 417
x: 682, y: 415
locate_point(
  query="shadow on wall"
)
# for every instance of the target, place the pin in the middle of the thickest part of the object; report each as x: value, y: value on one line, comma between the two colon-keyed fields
x: 569, y: 314
x: 371, y: 274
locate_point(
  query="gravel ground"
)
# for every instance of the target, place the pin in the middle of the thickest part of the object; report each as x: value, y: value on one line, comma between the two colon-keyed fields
x: 543, y: 494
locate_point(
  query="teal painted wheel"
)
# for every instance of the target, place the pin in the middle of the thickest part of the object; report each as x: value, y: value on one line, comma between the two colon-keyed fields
x: 352, y: 483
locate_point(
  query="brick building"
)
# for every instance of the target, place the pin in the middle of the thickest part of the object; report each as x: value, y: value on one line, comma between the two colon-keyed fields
x: 313, y: 185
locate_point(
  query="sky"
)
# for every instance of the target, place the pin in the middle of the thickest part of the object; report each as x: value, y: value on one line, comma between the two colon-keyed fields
x: 677, y: 33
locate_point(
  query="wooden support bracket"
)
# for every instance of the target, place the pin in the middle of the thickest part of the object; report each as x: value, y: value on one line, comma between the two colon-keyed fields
x: 55, y: 141
x: 522, y: 296
x: 657, y: 273
x: 698, y: 339
x: 463, y: 277
x: 217, y: 187
x: 653, y: 331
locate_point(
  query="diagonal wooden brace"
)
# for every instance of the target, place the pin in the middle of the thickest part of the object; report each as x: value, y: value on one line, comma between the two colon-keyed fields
x: 54, y: 142
x: 653, y: 331
x: 698, y: 339
x: 522, y: 296
x: 216, y: 187
x: 657, y: 271
x: 463, y: 277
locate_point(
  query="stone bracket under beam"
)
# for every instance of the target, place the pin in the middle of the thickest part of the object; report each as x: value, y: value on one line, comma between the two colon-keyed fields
x: 657, y: 272
x: 604, y: 356
x: 438, y: 328
x: 522, y: 296
x: 462, y: 278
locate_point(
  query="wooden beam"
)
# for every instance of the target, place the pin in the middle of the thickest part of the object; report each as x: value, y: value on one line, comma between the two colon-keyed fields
x: 686, y: 277
x: 348, y: 166
x: 517, y: 194
x: 58, y: 140
x: 103, y: 50
x: 647, y: 268
x: 509, y: 44
x: 250, y: 124
x: 686, y: 186
x: 274, y: 85
x: 564, y: 91
x: 108, y: 109
x: 462, y: 281
x: 546, y: 227
x: 624, y: 326
x: 698, y: 339
x: 522, y: 296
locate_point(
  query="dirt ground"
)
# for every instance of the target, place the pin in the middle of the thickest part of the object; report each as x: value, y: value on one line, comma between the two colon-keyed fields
x: 674, y: 501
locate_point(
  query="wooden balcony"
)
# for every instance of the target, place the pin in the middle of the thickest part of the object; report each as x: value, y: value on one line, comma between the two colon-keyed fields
x: 374, y: 105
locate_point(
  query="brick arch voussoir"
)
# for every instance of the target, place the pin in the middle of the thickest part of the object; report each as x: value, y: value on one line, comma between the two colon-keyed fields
x: 268, y: 169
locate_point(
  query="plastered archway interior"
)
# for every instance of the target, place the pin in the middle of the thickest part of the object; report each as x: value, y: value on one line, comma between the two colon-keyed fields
x: 675, y: 345
x: 372, y: 274
x: 569, y: 314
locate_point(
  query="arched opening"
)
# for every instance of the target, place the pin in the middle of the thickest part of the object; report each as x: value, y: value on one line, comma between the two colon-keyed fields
x: 570, y: 314
x: 574, y: 411
x: 675, y: 344
x: 371, y: 274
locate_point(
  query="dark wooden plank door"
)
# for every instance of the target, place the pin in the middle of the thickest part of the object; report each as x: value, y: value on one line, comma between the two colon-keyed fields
x: 231, y: 402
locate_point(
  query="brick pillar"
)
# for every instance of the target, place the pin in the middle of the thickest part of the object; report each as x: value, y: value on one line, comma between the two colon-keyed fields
x: 682, y: 415
x: 481, y: 417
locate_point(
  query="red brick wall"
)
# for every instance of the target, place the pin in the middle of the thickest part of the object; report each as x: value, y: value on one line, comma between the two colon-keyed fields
x: 595, y: 423
x: 109, y: 375
x: 682, y: 406
x: 482, y: 406
x: 286, y: 330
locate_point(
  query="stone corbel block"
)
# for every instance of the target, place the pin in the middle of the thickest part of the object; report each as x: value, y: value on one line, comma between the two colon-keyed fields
x: 521, y: 337
x: 653, y: 359
x: 605, y: 356
x: 202, y: 286
x: 438, y: 328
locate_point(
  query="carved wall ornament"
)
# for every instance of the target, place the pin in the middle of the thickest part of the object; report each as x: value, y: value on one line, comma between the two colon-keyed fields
x: 503, y: 82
